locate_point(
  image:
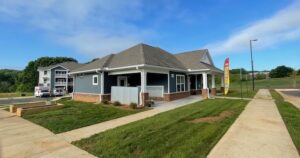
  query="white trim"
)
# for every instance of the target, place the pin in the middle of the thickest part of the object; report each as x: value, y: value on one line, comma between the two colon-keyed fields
x: 141, y: 66
x: 179, y: 75
x: 200, y: 70
x: 84, y: 71
x: 168, y: 82
x: 124, y: 67
x: 204, y: 78
x: 93, y: 81
x: 122, y: 77
x: 102, y: 82
x: 124, y: 72
x: 143, y: 81
x: 160, y: 86
x: 144, y: 65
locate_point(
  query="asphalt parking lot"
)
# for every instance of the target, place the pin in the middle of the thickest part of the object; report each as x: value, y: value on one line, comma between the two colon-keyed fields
x: 294, y: 93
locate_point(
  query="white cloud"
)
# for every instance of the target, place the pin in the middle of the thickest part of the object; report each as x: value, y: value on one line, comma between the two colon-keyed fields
x: 90, y: 27
x: 282, y: 26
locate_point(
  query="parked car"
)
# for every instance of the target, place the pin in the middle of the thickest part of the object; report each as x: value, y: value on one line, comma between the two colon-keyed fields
x: 58, y: 92
x: 41, y: 92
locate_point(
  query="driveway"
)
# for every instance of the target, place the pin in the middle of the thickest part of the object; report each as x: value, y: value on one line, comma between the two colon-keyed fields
x: 8, y: 101
x: 259, y: 132
x: 291, y: 95
x: 20, y: 138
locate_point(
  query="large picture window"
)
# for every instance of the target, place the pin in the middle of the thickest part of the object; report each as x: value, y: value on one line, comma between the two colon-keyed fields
x: 95, y: 79
x: 180, y: 83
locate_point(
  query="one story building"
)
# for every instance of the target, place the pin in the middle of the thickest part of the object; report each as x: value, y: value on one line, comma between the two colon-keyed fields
x: 144, y: 72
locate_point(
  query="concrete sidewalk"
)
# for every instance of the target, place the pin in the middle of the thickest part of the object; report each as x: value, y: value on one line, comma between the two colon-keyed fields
x: 259, y: 132
x: 88, y: 131
x: 20, y: 138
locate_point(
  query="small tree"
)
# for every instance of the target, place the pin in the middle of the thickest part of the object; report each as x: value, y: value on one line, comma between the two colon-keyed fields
x: 298, y: 72
x: 281, y: 71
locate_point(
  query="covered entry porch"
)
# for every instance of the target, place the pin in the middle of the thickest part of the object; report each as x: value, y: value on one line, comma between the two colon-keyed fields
x: 204, y: 83
x: 137, y: 86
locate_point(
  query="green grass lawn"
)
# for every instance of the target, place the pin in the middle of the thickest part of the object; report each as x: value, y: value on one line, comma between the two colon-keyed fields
x: 291, y: 117
x: 245, y: 94
x: 17, y: 94
x: 77, y: 114
x: 169, y: 134
x: 272, y: 83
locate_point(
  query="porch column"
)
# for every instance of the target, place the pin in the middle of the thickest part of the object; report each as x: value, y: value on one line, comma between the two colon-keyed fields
x: 67, y: 83
x: 143, y: 95
x: 222, y: 84
x: 101, y: 86
x: 213, y: 86
x: 204, y: 89
x: 168, y: 82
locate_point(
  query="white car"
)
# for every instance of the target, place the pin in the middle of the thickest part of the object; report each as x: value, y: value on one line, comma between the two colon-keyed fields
x: 58, y: 92
x: 41, y: 92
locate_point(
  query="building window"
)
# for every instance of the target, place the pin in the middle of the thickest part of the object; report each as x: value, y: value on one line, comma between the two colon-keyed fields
x: 180, y: 83
x: 45, y: 80
x: 95, y: 79
x: 45, y: 72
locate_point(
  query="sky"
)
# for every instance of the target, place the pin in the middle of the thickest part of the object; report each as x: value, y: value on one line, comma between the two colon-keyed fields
x: 88, y: 29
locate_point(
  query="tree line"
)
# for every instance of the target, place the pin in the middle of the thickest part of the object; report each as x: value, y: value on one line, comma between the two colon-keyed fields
x: 27, y: 79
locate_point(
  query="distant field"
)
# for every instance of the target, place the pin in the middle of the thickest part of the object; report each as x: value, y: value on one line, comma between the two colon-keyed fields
x: 9, y: 95
x: 272, y: 83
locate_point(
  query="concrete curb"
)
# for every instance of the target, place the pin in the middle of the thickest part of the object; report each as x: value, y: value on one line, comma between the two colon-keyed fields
x: 17, y: 98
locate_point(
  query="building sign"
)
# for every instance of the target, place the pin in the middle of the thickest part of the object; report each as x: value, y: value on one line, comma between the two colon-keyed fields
x: 226, y: 76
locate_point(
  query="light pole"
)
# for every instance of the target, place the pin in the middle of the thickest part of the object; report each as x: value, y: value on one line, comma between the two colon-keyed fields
x: 254, y: 40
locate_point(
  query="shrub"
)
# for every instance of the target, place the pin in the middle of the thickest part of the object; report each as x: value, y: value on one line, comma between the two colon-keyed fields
x: 116, y: 103
x: 133, y: 105
x: 105, y: 102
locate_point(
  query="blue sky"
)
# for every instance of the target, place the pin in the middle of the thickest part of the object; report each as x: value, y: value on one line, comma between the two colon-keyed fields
x: 86, y: 29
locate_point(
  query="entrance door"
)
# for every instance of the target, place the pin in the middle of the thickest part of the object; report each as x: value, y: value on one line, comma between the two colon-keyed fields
x: 122, y: 81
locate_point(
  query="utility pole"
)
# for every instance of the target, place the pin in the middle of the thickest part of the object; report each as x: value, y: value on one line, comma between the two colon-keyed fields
x: 253, y: 86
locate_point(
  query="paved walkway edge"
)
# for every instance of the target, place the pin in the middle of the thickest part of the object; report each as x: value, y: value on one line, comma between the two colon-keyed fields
x: 258, y: 132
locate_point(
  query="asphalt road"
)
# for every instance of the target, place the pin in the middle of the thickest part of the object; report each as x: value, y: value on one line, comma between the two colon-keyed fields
x: 292, y: 93
x: 21, y: 100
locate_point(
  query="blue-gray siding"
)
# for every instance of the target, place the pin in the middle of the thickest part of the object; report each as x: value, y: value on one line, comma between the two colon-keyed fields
x: 154, y: 79
x: 84, y: 84
x: 173, y: 81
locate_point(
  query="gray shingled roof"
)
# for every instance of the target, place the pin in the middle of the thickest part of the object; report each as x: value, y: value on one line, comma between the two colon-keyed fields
x: 145, y: 54
x: 97, y: 64
x: 68, y: 65
x: 191, y: 60
x: 149, y: 55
